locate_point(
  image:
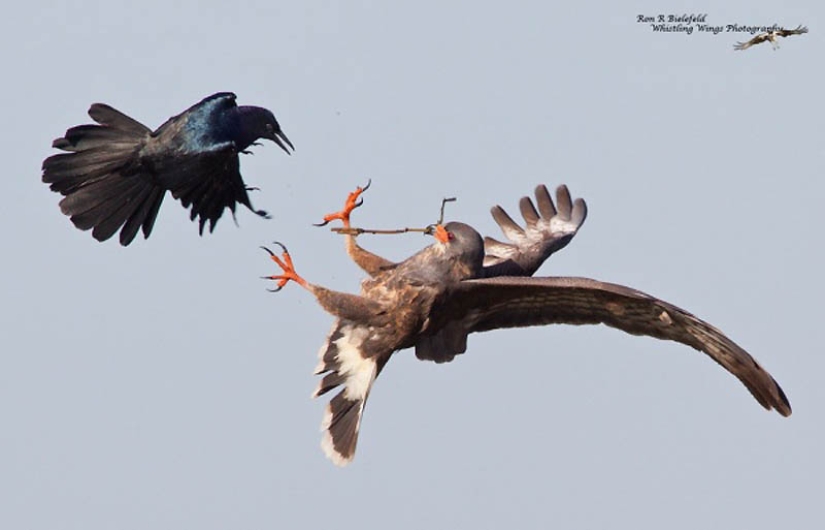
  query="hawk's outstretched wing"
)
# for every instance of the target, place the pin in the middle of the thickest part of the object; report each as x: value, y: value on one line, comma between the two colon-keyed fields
x: 493, y: 303
x: 546, y: 231
x: 739, y: 46
x: 788, y: 32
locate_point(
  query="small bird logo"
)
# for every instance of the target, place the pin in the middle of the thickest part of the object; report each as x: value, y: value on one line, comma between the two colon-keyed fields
x: 771, y: 36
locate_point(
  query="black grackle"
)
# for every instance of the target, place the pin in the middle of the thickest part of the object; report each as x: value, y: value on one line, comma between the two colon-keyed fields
x: 116, y: 173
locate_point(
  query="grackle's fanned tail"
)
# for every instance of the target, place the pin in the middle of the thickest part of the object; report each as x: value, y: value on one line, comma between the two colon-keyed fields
x: 100, y: 177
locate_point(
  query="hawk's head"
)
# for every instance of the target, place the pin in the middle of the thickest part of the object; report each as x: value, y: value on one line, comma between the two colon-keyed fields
x: 460, y: 244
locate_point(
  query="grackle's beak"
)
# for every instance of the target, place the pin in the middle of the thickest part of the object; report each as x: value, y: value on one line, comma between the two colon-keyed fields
x: 280, y: 138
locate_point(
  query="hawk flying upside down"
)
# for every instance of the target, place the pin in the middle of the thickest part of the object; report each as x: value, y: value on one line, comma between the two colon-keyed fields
x: 463, y: 284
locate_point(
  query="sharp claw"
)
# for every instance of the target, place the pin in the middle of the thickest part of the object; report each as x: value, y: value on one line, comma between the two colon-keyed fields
x: 354, y: 200
x: 288, y: 273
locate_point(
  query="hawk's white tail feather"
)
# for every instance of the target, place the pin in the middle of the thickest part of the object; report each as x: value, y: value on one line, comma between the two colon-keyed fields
x: 343, y: 362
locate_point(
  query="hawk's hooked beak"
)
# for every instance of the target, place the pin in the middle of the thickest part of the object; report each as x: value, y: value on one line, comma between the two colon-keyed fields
x: 442, y: 234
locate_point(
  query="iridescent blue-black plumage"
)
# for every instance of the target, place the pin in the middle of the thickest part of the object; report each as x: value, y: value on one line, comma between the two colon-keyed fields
x: 115, y: 173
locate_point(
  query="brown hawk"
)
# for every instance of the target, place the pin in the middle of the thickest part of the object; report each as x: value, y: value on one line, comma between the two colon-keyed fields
x: 463, y: 284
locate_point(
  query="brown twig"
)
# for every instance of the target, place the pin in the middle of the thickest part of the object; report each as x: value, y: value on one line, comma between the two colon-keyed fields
x: 444, y: 202
x: 353, y: 231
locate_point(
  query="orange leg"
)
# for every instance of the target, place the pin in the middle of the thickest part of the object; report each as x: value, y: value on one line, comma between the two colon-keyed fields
x: 285, y: 263
x: 351, y: 204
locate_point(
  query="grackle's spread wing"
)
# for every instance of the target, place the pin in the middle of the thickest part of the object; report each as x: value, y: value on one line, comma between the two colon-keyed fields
x: 208, y: 183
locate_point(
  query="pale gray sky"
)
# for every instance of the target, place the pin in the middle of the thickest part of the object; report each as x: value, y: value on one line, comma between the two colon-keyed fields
x: 161, y: 387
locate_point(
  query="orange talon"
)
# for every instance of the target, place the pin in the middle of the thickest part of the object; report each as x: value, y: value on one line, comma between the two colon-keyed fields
x: 351, y: 204
x: 285, y: 263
